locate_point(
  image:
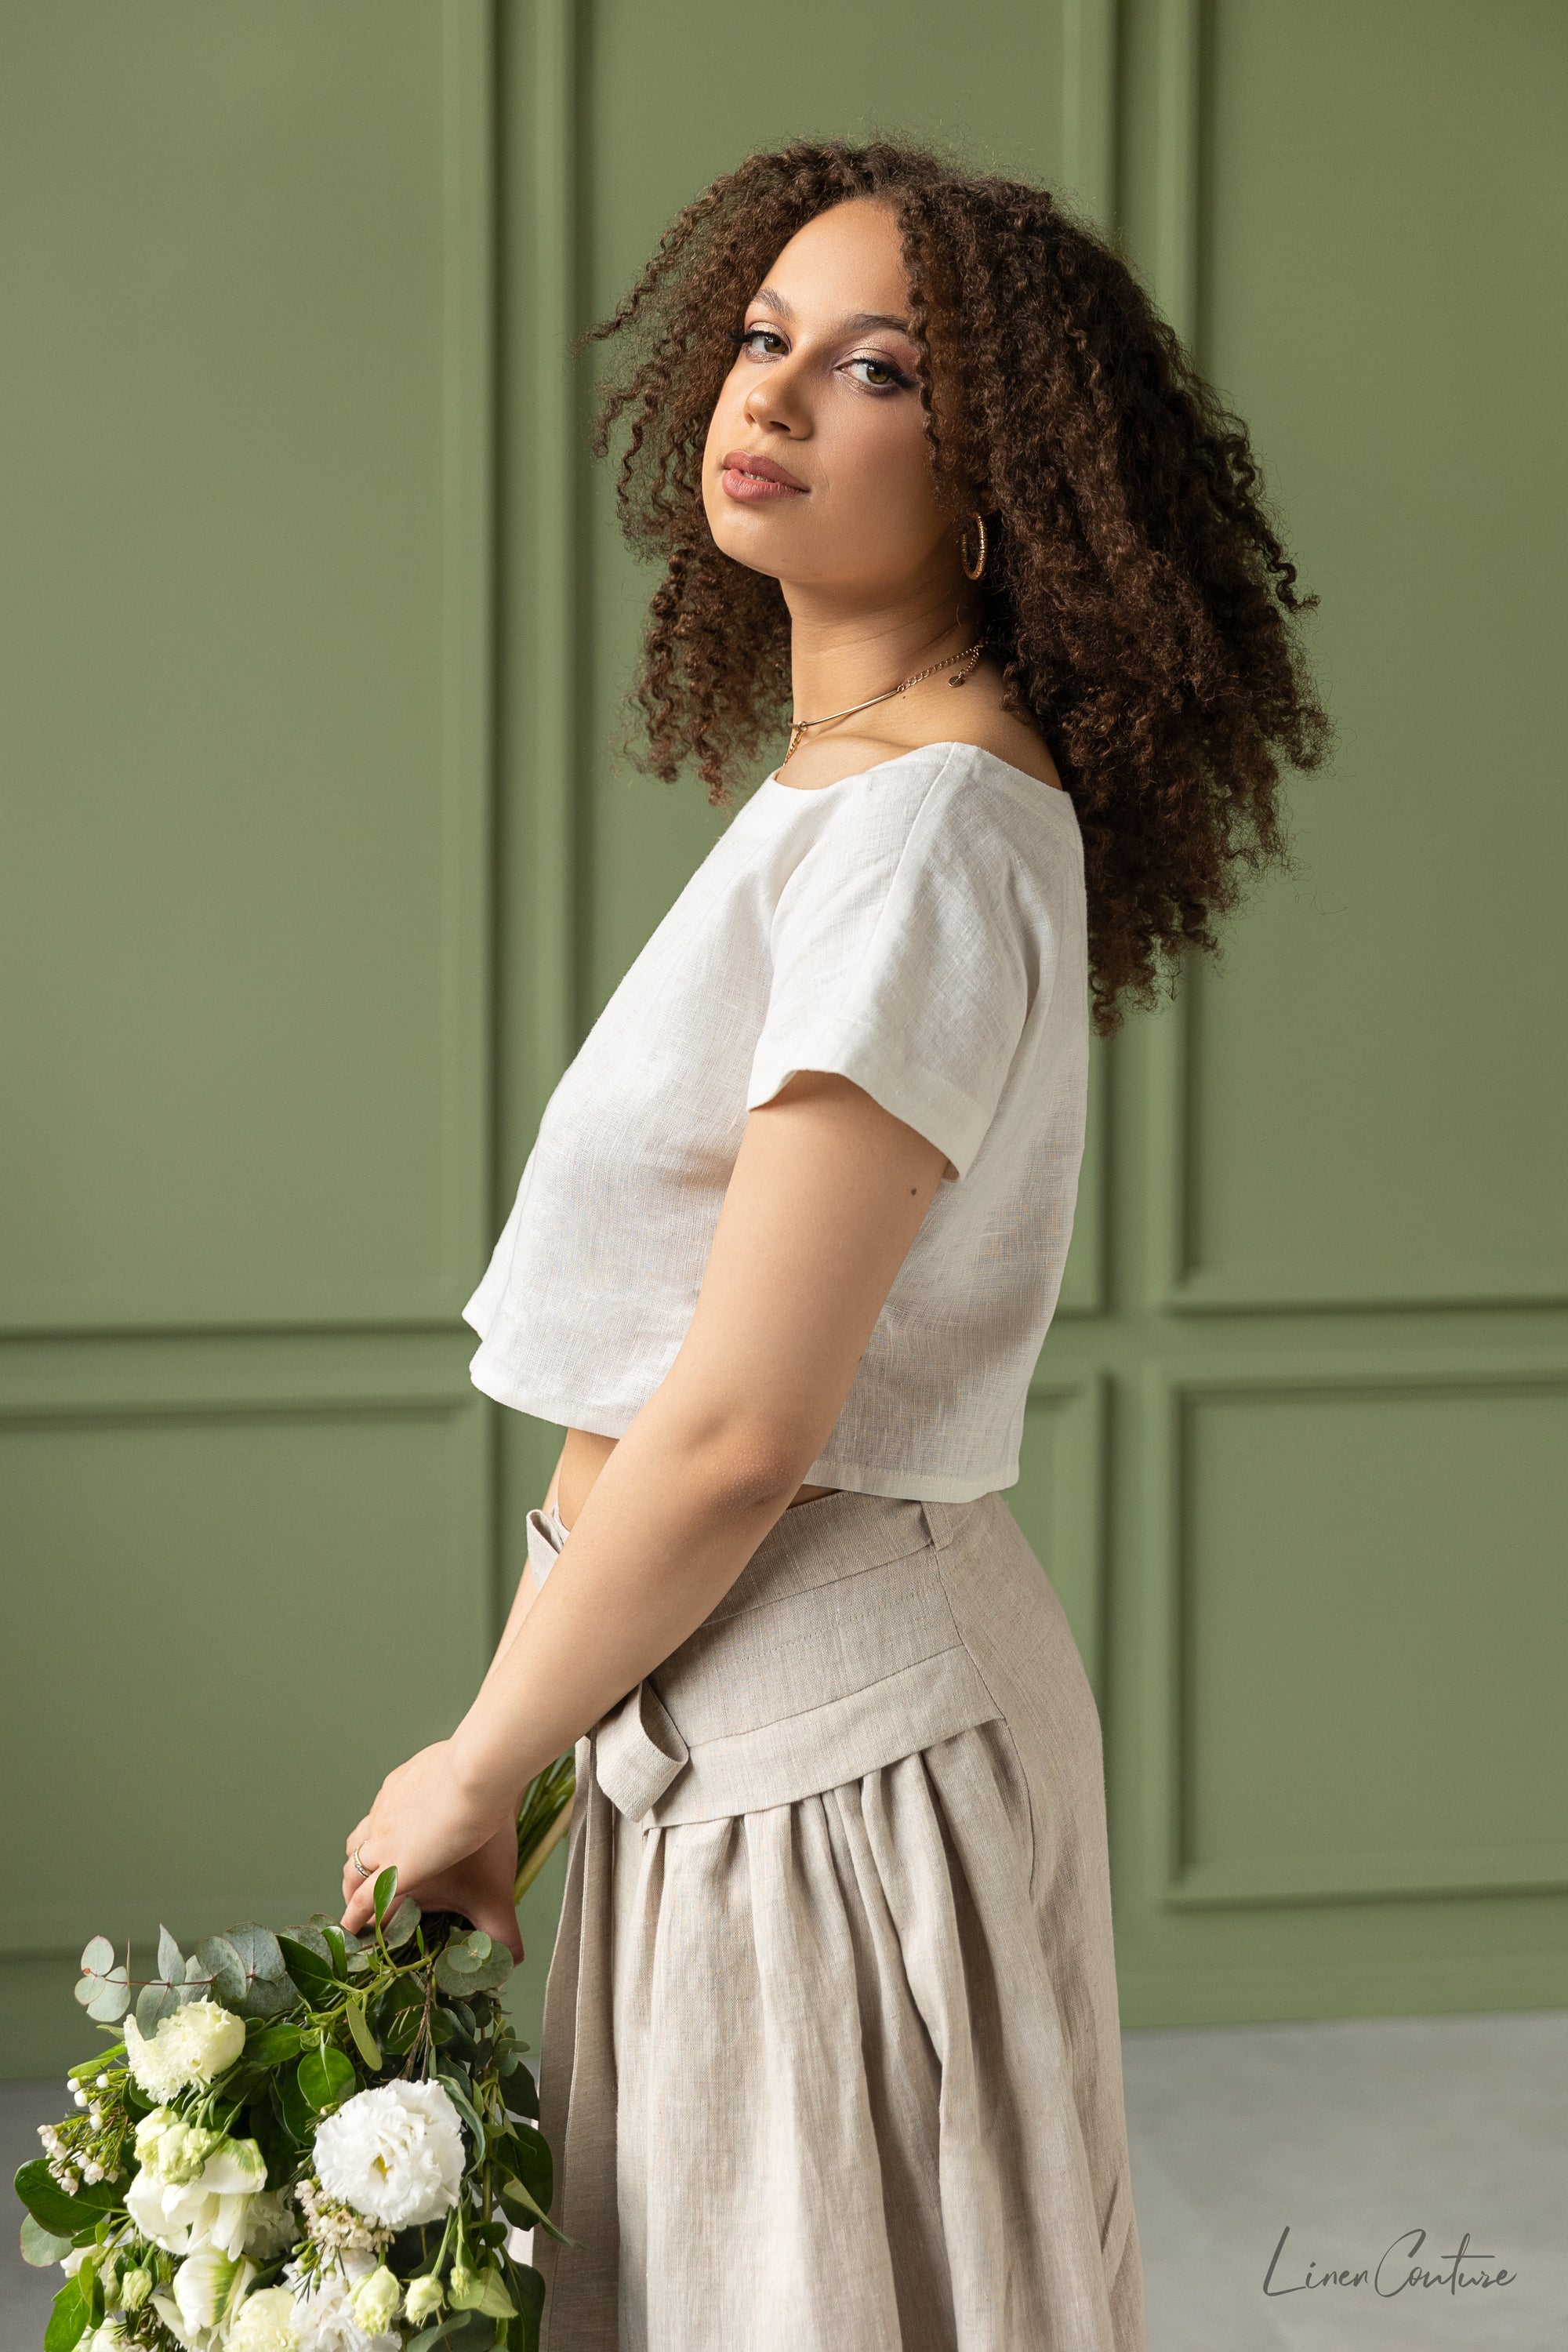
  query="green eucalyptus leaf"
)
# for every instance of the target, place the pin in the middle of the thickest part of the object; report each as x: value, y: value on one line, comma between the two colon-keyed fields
x: 97, y: 1956
x: 326, y: 2077
x: 40, y: 2247
x: 171, y: 1962
x: 258, y: 1951
x: 218, y: 1960
x: 112, y: 1998
x: 266, y: 1996
x: 479, y: 1975
x: 310, y: 1936
x: 492, y: 1973
x: 402, y: 1924
x: 153, y: 2003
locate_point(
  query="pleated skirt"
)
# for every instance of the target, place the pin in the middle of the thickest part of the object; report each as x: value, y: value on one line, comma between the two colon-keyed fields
x: 830, y: 2054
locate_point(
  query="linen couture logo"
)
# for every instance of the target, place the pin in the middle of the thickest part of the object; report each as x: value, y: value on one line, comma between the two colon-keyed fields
x: 1409, y: 2265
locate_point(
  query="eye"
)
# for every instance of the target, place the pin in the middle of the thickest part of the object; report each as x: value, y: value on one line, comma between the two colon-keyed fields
x: 882, y: 376
x: 752, y: 341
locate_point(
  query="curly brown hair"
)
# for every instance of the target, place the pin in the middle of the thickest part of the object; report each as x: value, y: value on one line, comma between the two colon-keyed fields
x: 1138, y: 595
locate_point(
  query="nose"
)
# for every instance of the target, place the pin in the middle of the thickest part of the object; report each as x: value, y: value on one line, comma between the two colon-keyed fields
x: 775, y: 402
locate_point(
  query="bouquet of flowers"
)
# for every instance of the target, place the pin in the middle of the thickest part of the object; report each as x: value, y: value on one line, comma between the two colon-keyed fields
x: 305, y: 2142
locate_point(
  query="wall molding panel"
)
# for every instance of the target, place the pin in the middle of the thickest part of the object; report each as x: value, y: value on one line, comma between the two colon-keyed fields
x: 465, y: 109
x: 1176, y: 1879
x: 30, y: 1928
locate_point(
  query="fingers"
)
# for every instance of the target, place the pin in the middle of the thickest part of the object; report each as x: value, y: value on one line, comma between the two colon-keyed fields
x: 359, y: 1906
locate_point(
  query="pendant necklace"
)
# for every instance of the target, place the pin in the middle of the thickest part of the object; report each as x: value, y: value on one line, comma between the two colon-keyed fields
x: 970, y: 660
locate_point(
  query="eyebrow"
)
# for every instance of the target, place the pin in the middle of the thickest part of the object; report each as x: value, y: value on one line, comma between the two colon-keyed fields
x: 860, y: 323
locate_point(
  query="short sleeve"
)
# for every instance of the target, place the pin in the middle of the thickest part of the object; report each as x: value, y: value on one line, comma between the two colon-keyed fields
x: 906, y: 960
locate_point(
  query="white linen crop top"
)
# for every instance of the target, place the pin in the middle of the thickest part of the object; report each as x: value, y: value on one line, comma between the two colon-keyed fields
x: 919, y: 928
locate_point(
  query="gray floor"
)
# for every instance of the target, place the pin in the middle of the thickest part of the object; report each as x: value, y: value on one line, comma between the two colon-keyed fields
x: 1352, y: 2136
x: 1349, y: 2135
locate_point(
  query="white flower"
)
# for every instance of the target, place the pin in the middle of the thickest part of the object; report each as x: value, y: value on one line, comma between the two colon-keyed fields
x: 208, y: 2289
x: 395, y: 2154
x: 373, y: 2300
x: 172, y: 2150
x: 264, y: 2322
x: 71, y: 2264
x: 425, y: 2296
x: 109, y: 2338
x: 212, y: 2211
x: 196, y: 2044
x: 323, y: 2316
x: 135, y: 2286
x: 271, y: 2225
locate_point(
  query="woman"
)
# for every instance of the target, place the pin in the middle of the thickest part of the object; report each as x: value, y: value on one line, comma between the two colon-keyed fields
x: 830, y: 2054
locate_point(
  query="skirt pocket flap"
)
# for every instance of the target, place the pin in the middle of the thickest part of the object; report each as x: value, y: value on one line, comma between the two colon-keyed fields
x: 637, y: 1751
x: 821, y: 1748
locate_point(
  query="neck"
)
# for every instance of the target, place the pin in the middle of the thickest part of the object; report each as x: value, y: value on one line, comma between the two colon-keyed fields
x: 839, y: 656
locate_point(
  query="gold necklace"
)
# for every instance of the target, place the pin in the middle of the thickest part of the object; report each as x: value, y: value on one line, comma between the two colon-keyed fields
x: 971, y: 660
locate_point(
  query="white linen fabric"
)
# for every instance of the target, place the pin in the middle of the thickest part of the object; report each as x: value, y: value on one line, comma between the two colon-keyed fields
x: 919, y: 928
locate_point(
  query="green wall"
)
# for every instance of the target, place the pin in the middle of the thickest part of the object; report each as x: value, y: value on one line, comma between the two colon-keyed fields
x: 315, y: 626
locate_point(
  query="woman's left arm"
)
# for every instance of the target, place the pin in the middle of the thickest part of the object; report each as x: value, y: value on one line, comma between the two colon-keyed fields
x: 827, y: 1193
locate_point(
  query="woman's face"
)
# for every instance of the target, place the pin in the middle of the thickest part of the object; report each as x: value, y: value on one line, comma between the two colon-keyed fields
x: 817, y: 468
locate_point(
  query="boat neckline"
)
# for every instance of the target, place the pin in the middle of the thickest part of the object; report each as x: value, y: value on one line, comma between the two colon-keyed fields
x: 957, y: 743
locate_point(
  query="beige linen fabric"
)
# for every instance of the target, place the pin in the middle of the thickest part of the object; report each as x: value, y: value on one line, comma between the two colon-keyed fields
x: 830, y: 2054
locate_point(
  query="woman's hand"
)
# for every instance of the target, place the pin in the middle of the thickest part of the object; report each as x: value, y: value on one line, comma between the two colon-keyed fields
x: 448, y: 1856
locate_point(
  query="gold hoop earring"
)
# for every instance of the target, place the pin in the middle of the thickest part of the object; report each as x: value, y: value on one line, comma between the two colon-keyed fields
x: 972, y: 572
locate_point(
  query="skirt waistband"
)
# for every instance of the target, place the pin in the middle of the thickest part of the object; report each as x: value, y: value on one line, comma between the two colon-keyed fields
x: 835, y: 1651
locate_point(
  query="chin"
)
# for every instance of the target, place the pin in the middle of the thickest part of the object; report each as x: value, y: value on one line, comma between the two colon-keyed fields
x: 748, y: 545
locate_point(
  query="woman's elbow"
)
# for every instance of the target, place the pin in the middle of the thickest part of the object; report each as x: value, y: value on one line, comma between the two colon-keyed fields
x: 746, y: 1463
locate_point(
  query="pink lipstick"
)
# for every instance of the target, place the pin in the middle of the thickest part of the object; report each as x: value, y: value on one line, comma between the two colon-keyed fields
x: 756, y: 481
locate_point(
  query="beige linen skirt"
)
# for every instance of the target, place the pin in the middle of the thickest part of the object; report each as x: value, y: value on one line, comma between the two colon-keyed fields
x: 830, y: 2059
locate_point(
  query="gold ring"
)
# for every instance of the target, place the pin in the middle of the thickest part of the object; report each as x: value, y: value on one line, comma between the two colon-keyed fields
x: 359, y: 1865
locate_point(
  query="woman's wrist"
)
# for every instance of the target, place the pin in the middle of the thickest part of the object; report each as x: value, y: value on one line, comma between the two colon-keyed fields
x: 489, y: 1781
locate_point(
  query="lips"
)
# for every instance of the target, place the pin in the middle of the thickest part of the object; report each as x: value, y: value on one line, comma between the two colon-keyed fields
x: 758, y: 480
